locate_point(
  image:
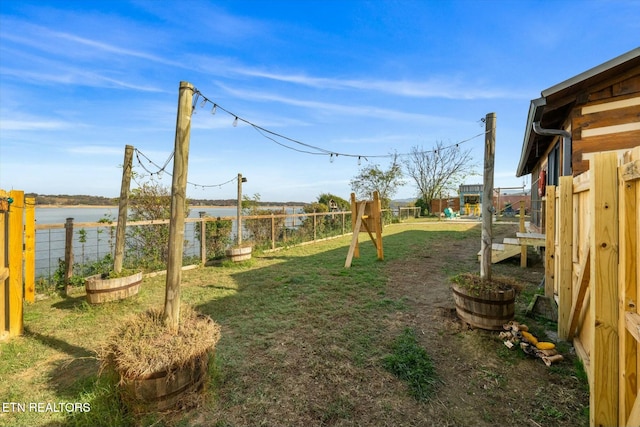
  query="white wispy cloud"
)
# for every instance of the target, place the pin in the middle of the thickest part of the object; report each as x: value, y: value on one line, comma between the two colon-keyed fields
x: 76, y: 77
x: 96, y: 150
x: 30, y: 125
x: 448, y: 88
x: 335, y: 109
x: 106, y: 47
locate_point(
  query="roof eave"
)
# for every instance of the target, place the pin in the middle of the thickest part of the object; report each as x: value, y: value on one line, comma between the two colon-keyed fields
x: 634, y: 53
x: 536, y: 109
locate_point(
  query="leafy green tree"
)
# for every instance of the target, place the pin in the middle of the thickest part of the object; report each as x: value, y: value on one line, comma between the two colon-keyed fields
x: 148, y: 244
x: 217, y: 236
x: 438, y: 171
x: 260, y: 228
x: 325, y: 199
x: 420, y: 203
x: 372, y: 178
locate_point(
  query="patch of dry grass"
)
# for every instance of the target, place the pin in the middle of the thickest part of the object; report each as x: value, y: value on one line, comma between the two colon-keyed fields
x: 478, y: 285
x: 143, y: 345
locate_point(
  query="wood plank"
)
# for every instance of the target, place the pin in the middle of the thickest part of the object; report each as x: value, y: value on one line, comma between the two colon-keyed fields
x: 603, y: 395
x: 30, y: 250
x: 550, y: 244
x: 612, y: 105
x: 627, y: 278
x: 583, y: 286
x: 522, y: 228
x: 631, y: 171
x: 354, y: 239
x: 564, y: 258
x: 4, y: 268
x: 532, y: 239
x: 354, y: 218
x: 16, y: 230
x: 632, y: 324
x: 377, y: 220
x: 596, y: 144
x: 508, y: 252
x: 634, y: 416
x: 625, y: 114
x: 582, y: 182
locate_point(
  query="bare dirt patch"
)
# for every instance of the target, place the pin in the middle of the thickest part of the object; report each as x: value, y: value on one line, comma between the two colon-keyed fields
x: 303, y: 342
x: 482, y: 382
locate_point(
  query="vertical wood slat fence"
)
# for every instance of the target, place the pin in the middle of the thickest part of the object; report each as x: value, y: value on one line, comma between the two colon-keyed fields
x: 592, y: 225
x: 17, y: 259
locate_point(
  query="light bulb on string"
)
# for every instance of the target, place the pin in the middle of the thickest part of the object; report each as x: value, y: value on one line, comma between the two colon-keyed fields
x: 331, y: 158
x: 203, y: 103
x: 359, y: 161
x: 213, y: 110
x: 235, y: 122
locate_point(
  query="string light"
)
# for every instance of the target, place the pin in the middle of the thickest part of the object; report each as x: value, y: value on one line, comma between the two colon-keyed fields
x: 314, y: 150
x: 162, y: 169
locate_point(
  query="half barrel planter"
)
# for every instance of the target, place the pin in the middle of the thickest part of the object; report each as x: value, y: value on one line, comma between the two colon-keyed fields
x: 168, y: 389
x: 242, y: 253
x: 485, y: 310
x: 101, y: 290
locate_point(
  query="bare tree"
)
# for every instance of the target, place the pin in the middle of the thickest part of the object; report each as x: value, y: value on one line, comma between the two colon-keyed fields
x: 440, y: 170
x: 371, y: 178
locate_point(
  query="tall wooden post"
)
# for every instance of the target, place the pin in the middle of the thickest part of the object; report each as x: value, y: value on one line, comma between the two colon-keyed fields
x: 239, y: 213
x: 604, y: 288
x: 30, y: 249
x: 354, y: 218
x: 16, y: 233
x: 122, y: 209
x: 178, y: 201
x: 523, y: 249
x: 203, y: 237
x: 487, y: 195
x: 4, y: 265
x: 68, y: 253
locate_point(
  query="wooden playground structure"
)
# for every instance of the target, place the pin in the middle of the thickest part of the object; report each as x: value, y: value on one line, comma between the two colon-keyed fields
x: 367, y: 214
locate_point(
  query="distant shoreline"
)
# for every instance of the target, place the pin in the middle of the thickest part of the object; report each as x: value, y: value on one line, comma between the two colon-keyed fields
x: 76, y: 206
x: 116, y: 206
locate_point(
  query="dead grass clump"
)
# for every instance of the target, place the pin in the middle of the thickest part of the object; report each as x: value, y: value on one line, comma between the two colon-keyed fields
x: 474, y: 284
x: 142, y: 345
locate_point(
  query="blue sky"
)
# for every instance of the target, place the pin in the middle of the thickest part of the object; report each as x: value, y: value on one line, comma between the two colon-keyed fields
x: 79, y: 80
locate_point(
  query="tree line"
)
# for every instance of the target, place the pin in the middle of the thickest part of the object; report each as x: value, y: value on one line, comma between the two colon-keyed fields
x: 87, y: 200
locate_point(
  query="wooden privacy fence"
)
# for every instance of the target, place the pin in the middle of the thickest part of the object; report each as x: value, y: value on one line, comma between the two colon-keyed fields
x: 17, y: 259
x: 592, y: 225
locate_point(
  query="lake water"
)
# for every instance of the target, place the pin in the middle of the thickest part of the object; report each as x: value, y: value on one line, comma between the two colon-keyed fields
x: 60, y: 215
x: 98, y: 242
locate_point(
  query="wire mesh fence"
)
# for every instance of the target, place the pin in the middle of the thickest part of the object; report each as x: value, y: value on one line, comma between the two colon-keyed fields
x: 89, y: 246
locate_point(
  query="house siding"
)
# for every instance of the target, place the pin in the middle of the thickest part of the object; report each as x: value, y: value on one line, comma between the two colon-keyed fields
x: 610, y: 123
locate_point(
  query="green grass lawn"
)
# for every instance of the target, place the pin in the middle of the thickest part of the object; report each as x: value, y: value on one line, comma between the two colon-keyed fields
x: 294, y: 323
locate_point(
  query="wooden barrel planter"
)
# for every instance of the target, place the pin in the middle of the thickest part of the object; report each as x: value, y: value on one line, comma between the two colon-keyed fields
x: 166, y: 390
x: 486, y: 309
x: 239, y: 254
x: 101, y: 290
